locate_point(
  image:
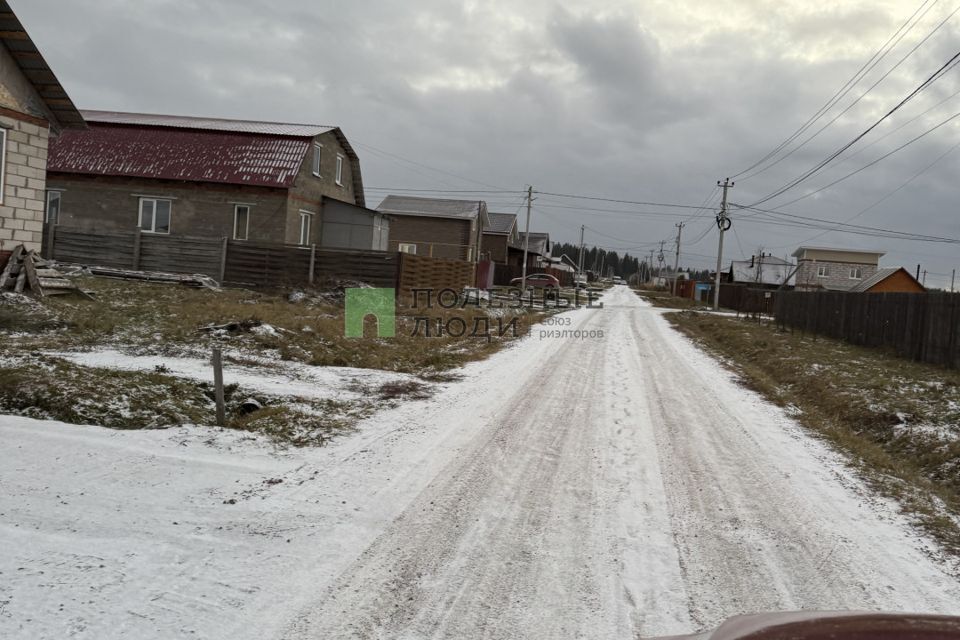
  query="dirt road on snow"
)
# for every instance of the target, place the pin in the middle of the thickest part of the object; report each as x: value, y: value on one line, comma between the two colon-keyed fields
x: 617, y: 487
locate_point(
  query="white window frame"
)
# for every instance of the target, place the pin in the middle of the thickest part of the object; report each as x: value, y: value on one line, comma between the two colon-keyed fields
x: 317, y: 159
x: 823, y: 271
x: 856, y: 273
x: 339, y: 179
x: 46, y: 212
x: 153, y: 225
x: 305, y: 216
x: 407, y: 247
x: 3, y: 164
x: 236, y: 216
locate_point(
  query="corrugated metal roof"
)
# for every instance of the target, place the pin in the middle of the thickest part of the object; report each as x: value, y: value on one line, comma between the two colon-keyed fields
x: 31, y: 63
x: 800, y: 250
x: 539, y: 243
x: 877, y: 278
x: 431, y: 207
x: 179, y: 154
x: 207, y: 124
x: 500, y: 222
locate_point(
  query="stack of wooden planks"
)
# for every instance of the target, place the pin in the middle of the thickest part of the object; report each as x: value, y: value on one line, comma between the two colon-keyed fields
x: 26, y: 271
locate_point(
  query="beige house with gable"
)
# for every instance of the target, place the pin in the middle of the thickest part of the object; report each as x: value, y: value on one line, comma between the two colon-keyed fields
x: 33, y: 107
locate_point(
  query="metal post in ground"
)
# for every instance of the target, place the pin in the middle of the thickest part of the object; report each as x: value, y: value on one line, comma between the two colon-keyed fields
x: 217, y: 361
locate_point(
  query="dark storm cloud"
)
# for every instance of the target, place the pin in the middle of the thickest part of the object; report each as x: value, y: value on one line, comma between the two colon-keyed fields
x: 651, y: 101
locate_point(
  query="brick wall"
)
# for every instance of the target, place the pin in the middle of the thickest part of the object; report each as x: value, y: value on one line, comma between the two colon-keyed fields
x: 308, y: 189
x: 24, y: 184
x: 838, y: 274
x: 107, y: 204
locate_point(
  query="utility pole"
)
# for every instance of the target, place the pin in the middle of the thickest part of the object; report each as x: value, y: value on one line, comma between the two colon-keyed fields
x: 580, y: 259
x: 924, y: 281
x: 676, y: 261
x: 650, y: 268
x: 526, y: 243
x: 660, y: 262
x: 723, y: 223
x: 953, y: 276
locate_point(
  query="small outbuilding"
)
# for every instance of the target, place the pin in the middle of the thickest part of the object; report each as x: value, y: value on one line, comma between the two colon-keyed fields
x: 890, y: 280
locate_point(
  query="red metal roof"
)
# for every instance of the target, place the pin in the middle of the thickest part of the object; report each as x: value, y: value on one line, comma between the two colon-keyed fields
x: 214, y: 124
x: 163, y: 152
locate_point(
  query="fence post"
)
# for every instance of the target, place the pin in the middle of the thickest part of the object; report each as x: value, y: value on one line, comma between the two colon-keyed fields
x: 313, y: 260
x: 136, y: 250
x: 217, y: 361
x: 223, y: 258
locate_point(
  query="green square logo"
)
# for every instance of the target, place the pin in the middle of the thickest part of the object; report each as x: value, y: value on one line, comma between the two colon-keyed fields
x: 380, y: 303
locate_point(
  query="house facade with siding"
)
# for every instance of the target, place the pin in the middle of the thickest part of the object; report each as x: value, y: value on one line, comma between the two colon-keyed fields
x: 33, y: 108
x: 498, y: 235
x: 436, y: 227
x: 211, y: 177
x: 831, y: 268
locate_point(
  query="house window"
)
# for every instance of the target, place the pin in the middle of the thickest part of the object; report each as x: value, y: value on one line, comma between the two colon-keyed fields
x: 155, y: 215
x: 823, y: 271
x: 407, y: 247
x: 53, y: 207
x: 306, y: 220
x: 241, y: 221
x: 339, y: 170
x: 856, y: 273
x: 317, y: 153
x: 3, y: 162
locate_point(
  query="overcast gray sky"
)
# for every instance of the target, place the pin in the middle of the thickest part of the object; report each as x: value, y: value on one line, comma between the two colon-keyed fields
x: 644, y: 101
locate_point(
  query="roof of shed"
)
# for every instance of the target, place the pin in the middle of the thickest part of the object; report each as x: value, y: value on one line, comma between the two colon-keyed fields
x: 882, y: 274
x: 432, y: 207
x: 501, y: 223
x: 31, y: 63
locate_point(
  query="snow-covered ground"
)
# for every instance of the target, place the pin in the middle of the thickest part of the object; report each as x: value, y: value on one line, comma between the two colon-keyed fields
x: 595, y: 488
x: 272, y: 377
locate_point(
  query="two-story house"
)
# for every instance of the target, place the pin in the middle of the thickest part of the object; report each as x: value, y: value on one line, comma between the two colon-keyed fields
x: 830, y: 268
x: 33, y: 108
x: 212, y: 177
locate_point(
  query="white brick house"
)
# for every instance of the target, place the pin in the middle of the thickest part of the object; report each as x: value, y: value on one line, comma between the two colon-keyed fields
x: 838, y: 269
x: 33, y: 106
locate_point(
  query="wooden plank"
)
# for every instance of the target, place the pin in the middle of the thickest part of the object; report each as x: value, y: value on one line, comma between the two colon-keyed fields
x: 13, y: 260
x: 21, y: 281
x: 31, y: 274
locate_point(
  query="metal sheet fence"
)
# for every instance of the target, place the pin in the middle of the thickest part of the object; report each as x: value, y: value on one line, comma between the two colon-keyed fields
x: 919, y: 326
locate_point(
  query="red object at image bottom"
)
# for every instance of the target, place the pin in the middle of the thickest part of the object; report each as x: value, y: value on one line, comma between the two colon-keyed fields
x: 832, y: 625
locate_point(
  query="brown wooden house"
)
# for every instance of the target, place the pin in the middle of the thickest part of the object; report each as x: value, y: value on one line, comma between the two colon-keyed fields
x: 436, y: 227
x: 499, y: 234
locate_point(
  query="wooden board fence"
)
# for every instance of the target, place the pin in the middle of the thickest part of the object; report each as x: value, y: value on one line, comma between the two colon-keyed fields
x: 919, y: 326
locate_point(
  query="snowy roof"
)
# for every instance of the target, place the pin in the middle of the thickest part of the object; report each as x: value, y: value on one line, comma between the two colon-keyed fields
x: 207, y: 124
x: 433, y: 207
x: 768, y: 270
x: 501, y: 223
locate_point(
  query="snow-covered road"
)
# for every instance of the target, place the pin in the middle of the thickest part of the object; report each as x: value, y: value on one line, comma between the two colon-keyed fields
x: 565, y: 488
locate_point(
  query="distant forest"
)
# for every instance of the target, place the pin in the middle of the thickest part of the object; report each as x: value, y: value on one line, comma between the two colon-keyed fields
x: 613, y: 264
